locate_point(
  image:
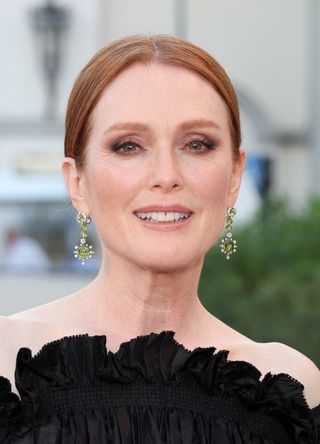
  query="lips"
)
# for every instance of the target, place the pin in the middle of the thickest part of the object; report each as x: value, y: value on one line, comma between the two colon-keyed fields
x: 164, y: 208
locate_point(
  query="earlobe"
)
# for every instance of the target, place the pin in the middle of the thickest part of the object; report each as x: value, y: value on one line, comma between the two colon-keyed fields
x: 73, y: 180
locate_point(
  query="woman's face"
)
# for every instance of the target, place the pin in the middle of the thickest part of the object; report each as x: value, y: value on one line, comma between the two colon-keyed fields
x: 159, y: 137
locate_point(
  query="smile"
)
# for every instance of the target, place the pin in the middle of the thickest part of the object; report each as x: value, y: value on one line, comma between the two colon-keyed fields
x: 170, y: 216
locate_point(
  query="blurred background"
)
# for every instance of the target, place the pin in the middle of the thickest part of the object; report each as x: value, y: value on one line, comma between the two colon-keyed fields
x: 270, y: 289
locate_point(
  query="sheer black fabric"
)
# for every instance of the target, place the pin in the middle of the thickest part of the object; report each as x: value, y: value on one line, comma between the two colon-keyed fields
x: 152, y: 390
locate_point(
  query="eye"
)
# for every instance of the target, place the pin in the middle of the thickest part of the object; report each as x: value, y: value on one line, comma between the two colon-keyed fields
x: 201, y: 145
x: 126, y: 146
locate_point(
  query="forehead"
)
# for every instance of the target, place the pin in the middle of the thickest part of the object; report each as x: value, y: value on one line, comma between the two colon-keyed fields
x: 150, y: 92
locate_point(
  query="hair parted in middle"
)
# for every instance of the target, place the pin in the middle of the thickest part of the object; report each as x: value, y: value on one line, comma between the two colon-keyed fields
x: 120, y: 54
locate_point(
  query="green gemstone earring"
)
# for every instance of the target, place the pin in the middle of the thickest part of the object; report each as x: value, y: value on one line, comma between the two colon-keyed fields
x: 83, y: 251
x: 228, y: 245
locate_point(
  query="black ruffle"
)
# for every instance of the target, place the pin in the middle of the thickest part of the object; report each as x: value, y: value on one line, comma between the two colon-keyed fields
x: 83, y: 360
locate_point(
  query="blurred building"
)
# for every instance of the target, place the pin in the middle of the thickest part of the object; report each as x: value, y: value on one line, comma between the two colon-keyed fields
x: 267, y: 49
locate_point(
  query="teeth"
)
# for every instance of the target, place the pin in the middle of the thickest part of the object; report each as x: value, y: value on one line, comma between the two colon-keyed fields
x: 163, y: 217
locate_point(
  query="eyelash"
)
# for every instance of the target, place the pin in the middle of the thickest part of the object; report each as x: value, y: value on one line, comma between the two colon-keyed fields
x: 209, y: 145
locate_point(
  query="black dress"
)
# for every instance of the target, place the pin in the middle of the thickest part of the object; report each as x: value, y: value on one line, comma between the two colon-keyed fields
x: 151, y: 391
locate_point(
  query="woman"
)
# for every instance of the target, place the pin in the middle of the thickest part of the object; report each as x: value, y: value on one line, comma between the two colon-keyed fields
x: 153, y: 157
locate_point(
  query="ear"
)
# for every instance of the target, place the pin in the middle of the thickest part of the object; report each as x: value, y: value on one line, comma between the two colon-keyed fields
x: 238, y: 168
x: 76, y: 184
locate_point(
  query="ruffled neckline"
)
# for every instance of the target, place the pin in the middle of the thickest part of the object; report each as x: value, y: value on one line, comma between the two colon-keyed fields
x: 84, y: 360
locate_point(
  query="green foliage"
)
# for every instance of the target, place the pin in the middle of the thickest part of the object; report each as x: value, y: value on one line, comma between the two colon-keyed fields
x: 269, y: 290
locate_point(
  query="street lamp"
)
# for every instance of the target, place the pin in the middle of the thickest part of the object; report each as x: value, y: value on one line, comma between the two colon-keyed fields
x: 50, y: 23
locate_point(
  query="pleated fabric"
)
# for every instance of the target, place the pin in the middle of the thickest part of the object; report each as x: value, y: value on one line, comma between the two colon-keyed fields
x: 151, y: 391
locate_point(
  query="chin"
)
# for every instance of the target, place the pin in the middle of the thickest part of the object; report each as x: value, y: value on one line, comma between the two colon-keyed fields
x: 163, y: 264
x: 165, y: 268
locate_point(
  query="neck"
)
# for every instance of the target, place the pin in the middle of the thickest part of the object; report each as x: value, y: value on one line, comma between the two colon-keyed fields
x: 133, y: 301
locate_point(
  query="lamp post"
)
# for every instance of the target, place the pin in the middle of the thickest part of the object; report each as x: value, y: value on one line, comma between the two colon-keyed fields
x: 181, y: 18
x: 315, y: 95
x: 50, y: 23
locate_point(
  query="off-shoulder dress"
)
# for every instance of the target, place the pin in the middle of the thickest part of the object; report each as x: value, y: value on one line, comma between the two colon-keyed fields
x: 151, y: 391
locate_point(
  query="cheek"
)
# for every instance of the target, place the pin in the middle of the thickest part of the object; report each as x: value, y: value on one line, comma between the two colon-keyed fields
x: 214, y: 184
x: 111, y: 185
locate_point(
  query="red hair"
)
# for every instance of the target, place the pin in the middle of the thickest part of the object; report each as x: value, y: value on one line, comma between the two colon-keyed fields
x: 119, y: 55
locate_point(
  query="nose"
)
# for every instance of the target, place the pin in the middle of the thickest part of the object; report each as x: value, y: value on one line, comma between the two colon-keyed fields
x: 165, y: 171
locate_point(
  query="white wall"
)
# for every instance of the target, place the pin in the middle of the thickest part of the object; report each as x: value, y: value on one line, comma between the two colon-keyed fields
x: 124, y: 17
x: 263, y: 45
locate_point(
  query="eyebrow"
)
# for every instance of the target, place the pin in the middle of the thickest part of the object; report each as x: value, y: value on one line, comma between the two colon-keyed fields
x: 184, y: 126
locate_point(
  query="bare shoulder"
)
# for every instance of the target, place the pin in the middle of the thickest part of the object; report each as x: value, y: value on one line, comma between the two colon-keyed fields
x: 10, y: 336
x: 301, y: 368
x: 276, y: 357
x: 30, y: 331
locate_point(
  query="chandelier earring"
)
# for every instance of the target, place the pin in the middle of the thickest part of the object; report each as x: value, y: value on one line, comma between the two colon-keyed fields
x: 83, y: 251
x: 228, y: 245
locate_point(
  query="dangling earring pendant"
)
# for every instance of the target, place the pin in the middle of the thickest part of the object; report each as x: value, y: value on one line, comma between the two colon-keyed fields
x: 83, y: 251
x: 228, y: 245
